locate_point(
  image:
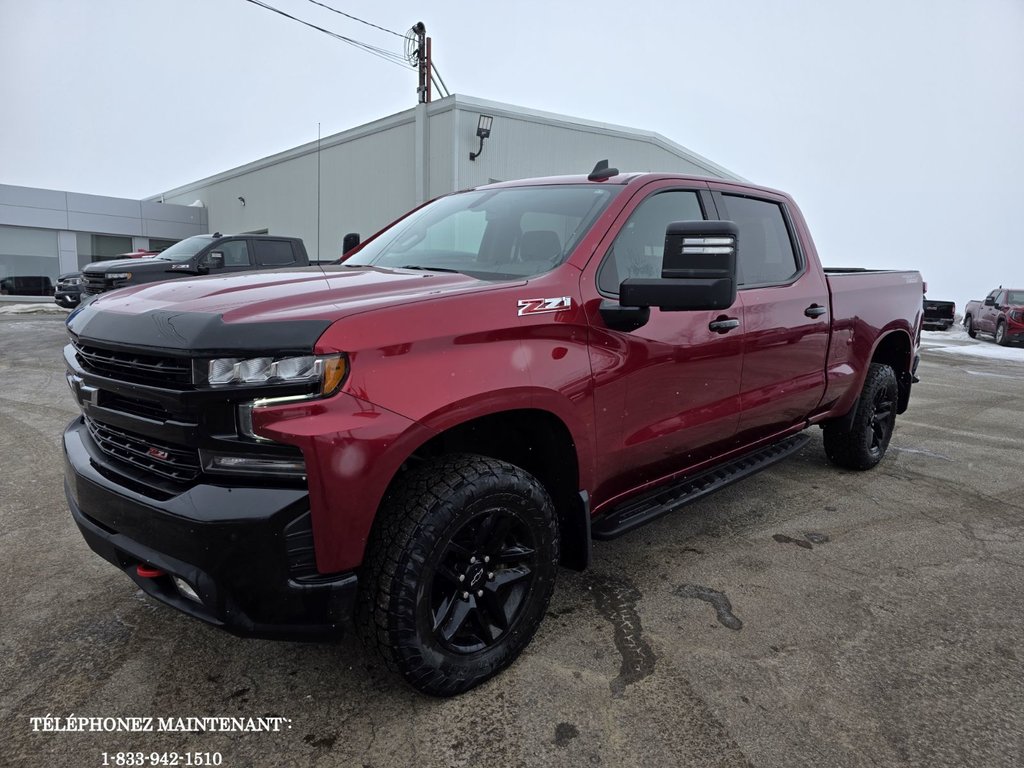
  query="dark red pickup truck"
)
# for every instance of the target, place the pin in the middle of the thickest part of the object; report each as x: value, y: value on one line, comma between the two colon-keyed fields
x: 1001, y: 314
x: 419, y: 436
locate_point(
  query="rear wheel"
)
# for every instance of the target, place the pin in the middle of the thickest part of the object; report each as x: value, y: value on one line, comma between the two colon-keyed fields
x: 864, y: 444
x: 1002, y: 338
x: 969, y: 327
x: 459, y: 572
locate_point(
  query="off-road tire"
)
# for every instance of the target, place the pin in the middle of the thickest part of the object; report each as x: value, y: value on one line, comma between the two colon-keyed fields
x: 1002, y: 337
x: 864, y: 444
x: 969, y: 327
x: 428, y: 528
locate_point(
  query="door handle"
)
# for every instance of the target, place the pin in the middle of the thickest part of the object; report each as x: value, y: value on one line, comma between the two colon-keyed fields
x: 815, y: 311
x: 723, y: 325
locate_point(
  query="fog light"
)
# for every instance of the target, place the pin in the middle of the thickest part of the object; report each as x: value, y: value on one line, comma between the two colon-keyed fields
x: 186, y: 589
x: 253, y: 464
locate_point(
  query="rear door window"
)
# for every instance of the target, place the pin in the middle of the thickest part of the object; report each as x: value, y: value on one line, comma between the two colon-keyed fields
x: 275, y: 253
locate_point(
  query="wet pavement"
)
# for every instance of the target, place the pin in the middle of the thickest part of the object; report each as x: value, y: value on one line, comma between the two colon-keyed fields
x: 807, y: 616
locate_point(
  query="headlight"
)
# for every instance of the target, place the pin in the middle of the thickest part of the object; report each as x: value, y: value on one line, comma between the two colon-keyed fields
x: 119, y: 275
x: 1017, y: 315
x: 328, y: 370
x: 72, y: 281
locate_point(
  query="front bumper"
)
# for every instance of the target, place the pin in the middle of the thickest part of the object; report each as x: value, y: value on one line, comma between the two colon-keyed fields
x: 244, y: 550
x: 67, y: 299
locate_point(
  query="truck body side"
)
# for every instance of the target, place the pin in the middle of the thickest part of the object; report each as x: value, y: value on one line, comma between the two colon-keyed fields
x: 533, y: 372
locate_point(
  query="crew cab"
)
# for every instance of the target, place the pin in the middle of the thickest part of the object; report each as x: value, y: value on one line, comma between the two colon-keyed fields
x: 1001, y: 314
x: 419, y: 436
x: 214, y: 254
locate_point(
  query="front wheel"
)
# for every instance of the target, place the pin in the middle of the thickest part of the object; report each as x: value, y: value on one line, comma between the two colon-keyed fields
x: 1002, y: 338
x: 459, y: 572
x: 969, y: 327
x: 864, y: 444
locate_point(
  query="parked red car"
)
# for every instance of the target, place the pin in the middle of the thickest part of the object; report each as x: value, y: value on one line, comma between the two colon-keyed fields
x: 1001, y: 314
x: 421, y: 434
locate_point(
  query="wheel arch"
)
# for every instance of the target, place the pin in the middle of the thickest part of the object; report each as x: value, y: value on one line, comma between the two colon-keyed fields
x: 535, y: 440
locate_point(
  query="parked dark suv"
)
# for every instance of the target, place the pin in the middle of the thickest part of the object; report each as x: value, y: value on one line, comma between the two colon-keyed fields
x: 200, y: 255
x: 69, y: 290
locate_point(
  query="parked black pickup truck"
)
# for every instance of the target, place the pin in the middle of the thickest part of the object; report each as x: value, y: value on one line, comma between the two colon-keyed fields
x: 214, y: 254
x: 938, y: 315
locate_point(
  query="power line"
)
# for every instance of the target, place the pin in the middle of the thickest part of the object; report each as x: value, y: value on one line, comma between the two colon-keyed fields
x: 389, y: 56
x: 356, y: 18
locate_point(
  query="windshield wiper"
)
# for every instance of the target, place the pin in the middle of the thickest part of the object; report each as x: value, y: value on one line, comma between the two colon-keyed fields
x: 431, y: 269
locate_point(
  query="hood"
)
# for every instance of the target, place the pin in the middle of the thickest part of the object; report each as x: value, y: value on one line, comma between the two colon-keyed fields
x: 248, y: 309
x: 116, y: 265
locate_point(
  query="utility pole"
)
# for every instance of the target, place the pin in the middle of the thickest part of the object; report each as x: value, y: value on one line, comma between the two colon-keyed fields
x: 423, y: 90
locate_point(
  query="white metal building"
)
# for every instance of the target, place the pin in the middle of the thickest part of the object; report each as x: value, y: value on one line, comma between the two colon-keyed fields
x: 373, y: 173
x: 367, y: 176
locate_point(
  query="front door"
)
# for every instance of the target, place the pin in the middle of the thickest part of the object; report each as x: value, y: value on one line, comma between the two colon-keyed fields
x: 666, y: 394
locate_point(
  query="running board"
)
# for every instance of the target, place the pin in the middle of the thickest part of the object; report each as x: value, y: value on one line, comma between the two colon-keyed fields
x: 653, y: 504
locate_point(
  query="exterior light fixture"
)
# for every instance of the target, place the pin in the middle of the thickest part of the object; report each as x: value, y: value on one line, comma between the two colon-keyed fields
x: 483, y: 130
x: 242, y: 201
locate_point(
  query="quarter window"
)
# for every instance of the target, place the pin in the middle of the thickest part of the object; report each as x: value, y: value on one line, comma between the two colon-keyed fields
x: 640, y: 245
x: 765, y: 249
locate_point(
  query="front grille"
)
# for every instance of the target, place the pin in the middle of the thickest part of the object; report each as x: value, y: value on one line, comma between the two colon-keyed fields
x: 96, y: 284
x: 155, y: 370
x: 147, y: 409
x: 173, y: 463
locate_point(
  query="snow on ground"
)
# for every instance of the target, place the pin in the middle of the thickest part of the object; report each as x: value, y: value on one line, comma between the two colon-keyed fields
x: 32, y: 309
x: 955, y: 341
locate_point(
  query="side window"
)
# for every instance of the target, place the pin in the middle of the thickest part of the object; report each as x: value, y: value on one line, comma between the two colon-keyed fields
x: 236, y: 253
x: 765, y: 249
x: 275, y: 253
x: 640, y: 245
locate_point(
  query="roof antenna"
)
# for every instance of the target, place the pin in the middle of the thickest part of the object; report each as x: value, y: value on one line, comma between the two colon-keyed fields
x: 602, y: 171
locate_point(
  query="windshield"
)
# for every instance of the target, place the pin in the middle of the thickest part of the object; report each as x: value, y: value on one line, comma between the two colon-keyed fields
x: 492, y: 234
x: 186, y: 249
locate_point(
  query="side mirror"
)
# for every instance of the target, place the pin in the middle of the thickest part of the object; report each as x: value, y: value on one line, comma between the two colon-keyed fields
x: 214, y: 260
x: 989, y: 301
x: 698, y: 270
x: 350, y: 241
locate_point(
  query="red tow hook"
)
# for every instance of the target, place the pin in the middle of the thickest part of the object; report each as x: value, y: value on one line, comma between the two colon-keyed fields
x: 148, y: 573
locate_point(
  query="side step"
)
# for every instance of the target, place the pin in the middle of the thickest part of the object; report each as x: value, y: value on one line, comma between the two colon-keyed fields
x: 653, y: 504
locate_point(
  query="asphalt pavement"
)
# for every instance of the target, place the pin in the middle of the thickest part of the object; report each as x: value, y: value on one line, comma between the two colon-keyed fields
x: 807, y: 616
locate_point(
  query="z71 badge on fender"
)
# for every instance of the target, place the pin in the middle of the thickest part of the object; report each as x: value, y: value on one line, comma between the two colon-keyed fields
x: 539, y: 306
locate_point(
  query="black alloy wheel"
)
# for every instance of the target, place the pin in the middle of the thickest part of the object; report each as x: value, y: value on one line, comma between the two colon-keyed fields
x: 861, y: 443
x: 883, y: 420
x: 481, y: 582
x: 969, y: 327
x: 459, y: 569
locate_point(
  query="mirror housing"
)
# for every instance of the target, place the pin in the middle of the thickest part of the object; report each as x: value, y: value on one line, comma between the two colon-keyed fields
x: 990, y: 301
x: 698, y: 270
x: 350, y: 241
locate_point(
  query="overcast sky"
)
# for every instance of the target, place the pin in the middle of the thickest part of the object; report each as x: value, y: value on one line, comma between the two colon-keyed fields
x: 897, y: 126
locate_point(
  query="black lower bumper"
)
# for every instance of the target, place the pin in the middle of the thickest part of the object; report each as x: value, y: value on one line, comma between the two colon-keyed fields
x: 233, y: 545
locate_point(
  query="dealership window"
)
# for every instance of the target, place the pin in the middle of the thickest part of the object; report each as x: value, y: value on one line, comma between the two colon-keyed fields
x: 101, y: 247
x: 29, y: 261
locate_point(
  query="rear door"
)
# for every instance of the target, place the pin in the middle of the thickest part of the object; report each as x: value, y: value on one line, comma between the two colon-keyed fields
x: 785, y: 327
x: 665, y: 394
